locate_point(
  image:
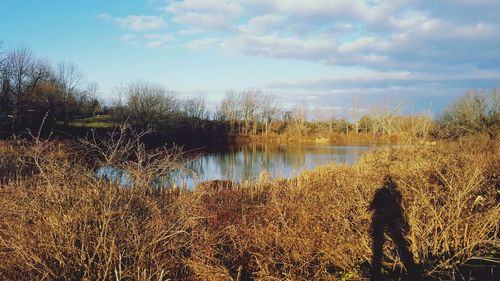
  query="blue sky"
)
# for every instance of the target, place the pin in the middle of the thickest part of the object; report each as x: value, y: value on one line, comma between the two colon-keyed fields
x: 420, y: 54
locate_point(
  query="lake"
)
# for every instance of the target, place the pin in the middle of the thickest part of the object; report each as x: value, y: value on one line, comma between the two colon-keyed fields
x: 240, y: 163
x: 245, y: 162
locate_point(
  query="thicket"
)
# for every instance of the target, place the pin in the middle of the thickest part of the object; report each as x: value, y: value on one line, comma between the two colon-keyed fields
x: 251, y: 113
x: 31, y: 88
x: 475, y: 112
x: 59, y: 221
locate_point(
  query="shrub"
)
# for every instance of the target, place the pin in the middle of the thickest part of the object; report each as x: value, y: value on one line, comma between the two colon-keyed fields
x: 475, y: 112
x: 61, y: 222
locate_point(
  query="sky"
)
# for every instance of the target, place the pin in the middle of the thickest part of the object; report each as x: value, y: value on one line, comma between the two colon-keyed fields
x: 421, y: 55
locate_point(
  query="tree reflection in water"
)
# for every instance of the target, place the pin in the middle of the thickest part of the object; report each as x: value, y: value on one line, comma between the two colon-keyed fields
x: 240, y: 163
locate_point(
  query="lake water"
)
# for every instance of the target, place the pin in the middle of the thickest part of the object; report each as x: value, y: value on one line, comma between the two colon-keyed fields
x: 240, y: 163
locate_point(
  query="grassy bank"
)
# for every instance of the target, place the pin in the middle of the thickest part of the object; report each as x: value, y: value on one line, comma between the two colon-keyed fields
x: 57, y: 221
x: 82, y: 126
x: 335, y: 138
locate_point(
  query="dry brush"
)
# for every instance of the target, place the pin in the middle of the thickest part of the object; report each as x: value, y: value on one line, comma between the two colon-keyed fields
x: 58, y: 221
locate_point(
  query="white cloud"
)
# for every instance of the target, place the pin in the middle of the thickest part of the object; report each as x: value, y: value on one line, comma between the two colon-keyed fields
x: 141, y: 23
x: 363, y: 44
x: 201, y: 43
x: 262, y: 24
x: 159, y: 37
x: 204, y: 14
x: 403, y: 35
x: 187, y: 32
x: 340, y: 9
x: 401, y: 46
x: 366, y: 78
x: 202, y: 21
x: 104, y: 16
x: 281, y: 47
x: 130, y: 39
x: 156, y: 44
x: 439, y: 29
x: 156, y: 41
x: 206, y: 6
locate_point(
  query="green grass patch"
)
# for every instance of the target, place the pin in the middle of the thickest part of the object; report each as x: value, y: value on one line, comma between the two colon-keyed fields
x: 102, y: 121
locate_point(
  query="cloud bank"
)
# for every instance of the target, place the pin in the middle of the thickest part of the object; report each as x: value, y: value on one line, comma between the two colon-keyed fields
x: 396, y: 45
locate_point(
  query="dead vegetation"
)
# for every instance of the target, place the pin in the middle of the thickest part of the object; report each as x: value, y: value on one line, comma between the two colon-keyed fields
x: 61, y: 222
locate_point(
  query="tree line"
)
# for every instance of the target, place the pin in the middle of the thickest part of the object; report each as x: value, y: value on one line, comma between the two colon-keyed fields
x: 32, y: 89
x: 252, y: 112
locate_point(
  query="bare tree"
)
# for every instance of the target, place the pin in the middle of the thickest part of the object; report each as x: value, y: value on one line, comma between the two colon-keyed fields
x: 70, y: 79
x: 385, y: 117
x: 119, y: 112
x: 21, y: 74
x: 20, y: 64
x: 195, y: 108
x: 150, y: 104
x: 493, y: 114
x: 476, y: 111
x: 92, y: 90
x: 249, y: 102
x: 298, y: 119
x: 92, y: 96
x: 269, y: 111
x: 195, y: 111
x: 4, y: 84
x: 326, y: 115
x: 366, y: 123
x: 229, y: 110
x: 421, y: 124
x: 356, y: 114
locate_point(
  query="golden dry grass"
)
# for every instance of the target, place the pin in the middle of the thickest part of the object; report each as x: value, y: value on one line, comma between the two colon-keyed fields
x: 60, y: 222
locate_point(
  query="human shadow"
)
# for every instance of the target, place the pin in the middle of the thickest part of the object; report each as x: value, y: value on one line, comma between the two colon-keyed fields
x: 388, y: 216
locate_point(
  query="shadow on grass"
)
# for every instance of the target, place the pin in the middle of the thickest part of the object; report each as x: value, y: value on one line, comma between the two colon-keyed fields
x: 388, y: 216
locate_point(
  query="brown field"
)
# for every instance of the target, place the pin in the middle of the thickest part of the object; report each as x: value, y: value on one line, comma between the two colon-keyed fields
x: 59, y: 222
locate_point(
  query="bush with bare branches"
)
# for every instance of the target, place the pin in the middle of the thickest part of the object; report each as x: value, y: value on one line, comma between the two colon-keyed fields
x: 62, y: 222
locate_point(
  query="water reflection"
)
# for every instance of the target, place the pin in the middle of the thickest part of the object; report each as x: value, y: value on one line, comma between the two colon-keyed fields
x: 239, y: 163
x: 115, y: 175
